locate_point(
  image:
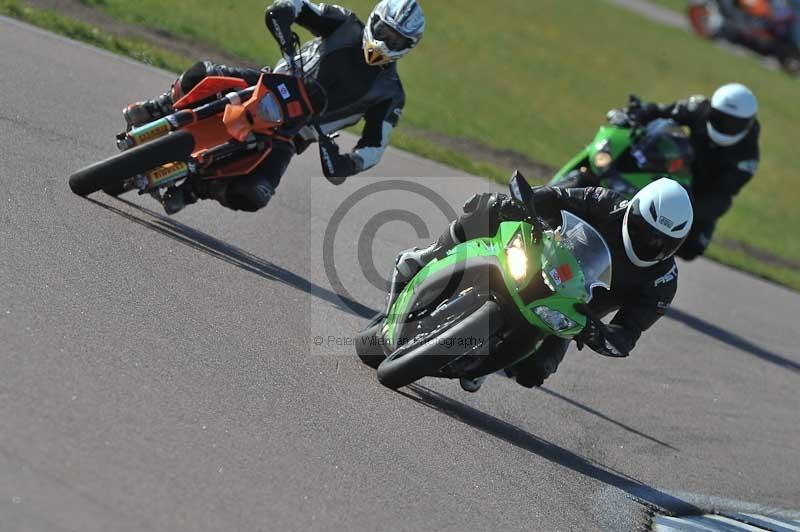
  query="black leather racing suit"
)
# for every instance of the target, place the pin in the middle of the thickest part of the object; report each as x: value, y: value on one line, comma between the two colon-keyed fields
x: 334, y: 61
x: 640, y: 296
x: 719, y: 173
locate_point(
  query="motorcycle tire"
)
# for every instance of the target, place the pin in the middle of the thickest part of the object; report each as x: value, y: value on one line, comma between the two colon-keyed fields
x: 433, y: 355
x: 369, y: 347
x: 176, y: 146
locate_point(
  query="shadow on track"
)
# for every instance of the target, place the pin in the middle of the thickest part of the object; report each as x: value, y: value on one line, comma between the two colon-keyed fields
x: 233, y: 255
x: 732, y: 339
x: 606, y: 418
x: 650, y: 497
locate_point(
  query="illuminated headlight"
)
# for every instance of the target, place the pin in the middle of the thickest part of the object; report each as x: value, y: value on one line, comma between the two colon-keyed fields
x: 602, y: 160
x: 517, y: 258
x: 554, y: 319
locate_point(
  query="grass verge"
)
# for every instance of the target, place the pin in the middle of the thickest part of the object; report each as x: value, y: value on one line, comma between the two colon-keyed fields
x: 74, y: 29
x: 550, y: 118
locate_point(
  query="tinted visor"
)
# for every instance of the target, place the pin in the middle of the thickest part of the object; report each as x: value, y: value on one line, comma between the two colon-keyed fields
x: 395, y: 41
x: 650, y: 244
x: 728, y: 124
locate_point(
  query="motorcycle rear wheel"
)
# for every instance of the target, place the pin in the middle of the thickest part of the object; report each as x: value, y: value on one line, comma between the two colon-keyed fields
x: 433, y: 355
x: 110, y: 173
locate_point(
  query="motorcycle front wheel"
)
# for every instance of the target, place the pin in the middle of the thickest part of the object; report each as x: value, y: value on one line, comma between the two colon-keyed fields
x: 403, y: 368
x: 110, y: 173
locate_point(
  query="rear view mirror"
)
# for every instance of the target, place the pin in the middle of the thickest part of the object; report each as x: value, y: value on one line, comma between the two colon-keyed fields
x: 520, y: 189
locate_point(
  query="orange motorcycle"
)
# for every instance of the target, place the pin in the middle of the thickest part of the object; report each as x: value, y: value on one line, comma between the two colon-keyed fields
x: 764, y: 26
x: 221, y: 129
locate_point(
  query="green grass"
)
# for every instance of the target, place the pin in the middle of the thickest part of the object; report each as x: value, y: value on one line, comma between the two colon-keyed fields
x: 77, y: 30
x: 536, y: 77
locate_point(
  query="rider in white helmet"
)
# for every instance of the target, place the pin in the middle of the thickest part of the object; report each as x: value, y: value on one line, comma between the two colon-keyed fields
x: 724, y: 136
x: 351, y: 73
x: 642, y: 234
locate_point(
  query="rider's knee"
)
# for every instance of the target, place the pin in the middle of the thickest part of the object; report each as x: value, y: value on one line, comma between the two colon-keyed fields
x: 250, y: 195
x: 535, y: 369
x: 190, y: 79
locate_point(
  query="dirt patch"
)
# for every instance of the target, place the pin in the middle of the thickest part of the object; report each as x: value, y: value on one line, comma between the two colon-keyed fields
x: 481, y: 152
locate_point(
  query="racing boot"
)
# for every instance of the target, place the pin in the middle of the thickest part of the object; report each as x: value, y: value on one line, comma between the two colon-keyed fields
x: 472, y: 385
x: 140, y: 113
x: 175, y: 199
x: 411, y: 261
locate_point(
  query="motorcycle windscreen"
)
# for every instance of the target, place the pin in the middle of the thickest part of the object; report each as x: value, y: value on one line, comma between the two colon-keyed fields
x: 590, y: 251
x: 664, y: 147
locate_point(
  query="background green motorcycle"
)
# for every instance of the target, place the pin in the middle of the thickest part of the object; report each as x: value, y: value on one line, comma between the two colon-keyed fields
x: 490, y: 302
x: 628, y: 158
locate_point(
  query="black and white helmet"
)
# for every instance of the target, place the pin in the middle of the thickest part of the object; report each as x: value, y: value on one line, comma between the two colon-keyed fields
x: 657, y: 222
x: 393, y: 29
x: 732, y: 115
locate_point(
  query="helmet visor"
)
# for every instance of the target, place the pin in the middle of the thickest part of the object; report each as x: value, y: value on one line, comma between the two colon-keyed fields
x: 650, y: 244
x: 394, y: 40
x: 729, y: 124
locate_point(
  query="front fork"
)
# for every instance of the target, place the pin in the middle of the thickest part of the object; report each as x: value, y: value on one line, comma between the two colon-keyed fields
x: 173, y: 172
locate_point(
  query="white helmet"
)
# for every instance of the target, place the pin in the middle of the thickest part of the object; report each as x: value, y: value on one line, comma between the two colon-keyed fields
x: 657, y: 222
x: 733, y: 113
x: 394, y: 27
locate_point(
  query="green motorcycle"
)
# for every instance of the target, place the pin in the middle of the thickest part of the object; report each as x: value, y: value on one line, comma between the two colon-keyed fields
x: 627, y: 158
x: 489, y: 302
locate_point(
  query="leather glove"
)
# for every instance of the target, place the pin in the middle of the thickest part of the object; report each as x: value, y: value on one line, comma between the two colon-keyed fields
x: 695, y: 245
x: 618, y: 118
x: 603, y: 340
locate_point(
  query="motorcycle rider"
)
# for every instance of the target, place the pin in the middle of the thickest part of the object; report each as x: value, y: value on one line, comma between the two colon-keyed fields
x: 351, y: 67
x: 642, y: 235
x: 724, y: 137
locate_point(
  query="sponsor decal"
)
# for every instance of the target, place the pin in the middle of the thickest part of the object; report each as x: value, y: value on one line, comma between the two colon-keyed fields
x: 661, y: 308
x: 669, y: 277
x: 666, y: 222
x: 561, y: 275
x: 621, y: 206
x: 326, y: 158
x: 294, y: 109
x: 750, y: 166
x: 166, y: 173
x: 148, y: 133
x: 611, y: 348
x: 285, y: 94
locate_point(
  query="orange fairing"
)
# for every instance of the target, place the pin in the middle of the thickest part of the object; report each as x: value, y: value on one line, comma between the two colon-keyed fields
x: 210, y: 86
x: 237, y: 122
x: 757, y: 8
x: 260, y: 114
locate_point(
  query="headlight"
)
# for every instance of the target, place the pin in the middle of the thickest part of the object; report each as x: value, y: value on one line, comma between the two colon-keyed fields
x: 554, y: 319
x: 602, y: 160
x: 517, y: 258
x: 270, y: 109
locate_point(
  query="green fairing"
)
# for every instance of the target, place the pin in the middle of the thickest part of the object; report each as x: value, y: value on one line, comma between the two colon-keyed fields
x: 616, y: 140
x: 544, y: 256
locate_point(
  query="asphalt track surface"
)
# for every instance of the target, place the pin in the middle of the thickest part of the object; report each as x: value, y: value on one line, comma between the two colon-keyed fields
x: 162, y: 374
